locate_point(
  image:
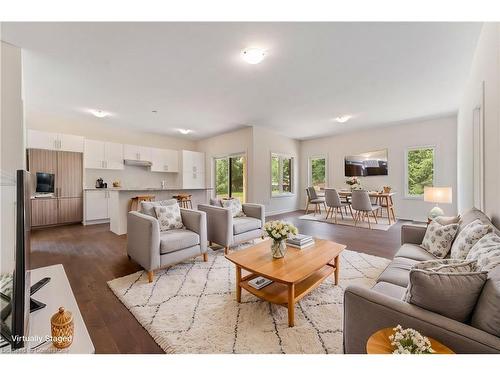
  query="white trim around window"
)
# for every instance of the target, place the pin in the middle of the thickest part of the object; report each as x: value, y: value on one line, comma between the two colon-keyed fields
x: 405, y: 174
x: 280, y: 183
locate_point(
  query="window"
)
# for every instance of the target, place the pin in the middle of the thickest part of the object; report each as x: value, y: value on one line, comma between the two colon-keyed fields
x: 230, y: 177
x: 281, y: 175
x: 419, y: 170
x: 317, y: 172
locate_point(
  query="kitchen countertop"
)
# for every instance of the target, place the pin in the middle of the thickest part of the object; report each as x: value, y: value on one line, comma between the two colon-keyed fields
x: 144, y: 189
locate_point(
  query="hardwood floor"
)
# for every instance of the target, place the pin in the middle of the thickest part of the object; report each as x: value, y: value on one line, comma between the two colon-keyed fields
x: 93, y: 255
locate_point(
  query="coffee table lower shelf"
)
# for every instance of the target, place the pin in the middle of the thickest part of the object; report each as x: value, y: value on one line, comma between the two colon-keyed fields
x: 287, y: 294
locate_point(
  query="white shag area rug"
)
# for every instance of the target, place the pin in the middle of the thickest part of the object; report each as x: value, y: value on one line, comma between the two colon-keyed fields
x: 191, y: 308
x: 383, y: 222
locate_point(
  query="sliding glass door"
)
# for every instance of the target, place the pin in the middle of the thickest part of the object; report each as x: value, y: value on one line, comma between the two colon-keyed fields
x: 230, y: 177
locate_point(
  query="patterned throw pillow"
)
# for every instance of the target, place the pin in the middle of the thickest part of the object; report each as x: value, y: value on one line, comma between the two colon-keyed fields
x: 235, y: 206
x: 468, y: 237
x: 169, y: 217
x: 438, y: 238
x: 486, y: 252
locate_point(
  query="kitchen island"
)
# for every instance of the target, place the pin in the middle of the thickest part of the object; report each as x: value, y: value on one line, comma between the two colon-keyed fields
x: 119, y: 200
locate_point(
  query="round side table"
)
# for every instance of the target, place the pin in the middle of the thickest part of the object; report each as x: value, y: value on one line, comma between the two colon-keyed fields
x: 379, y: 343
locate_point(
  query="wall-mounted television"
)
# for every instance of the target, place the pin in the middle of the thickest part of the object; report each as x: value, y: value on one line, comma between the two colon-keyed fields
x: 44, y: 182
x: 373, y: 163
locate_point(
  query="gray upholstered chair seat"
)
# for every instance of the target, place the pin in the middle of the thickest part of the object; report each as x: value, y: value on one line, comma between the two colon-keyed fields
x: 391, y: 290
x: 177, y: 239
x: 317, y: 200
x: 245, y: 224
x: 398, y: 272
x: 412, y: 251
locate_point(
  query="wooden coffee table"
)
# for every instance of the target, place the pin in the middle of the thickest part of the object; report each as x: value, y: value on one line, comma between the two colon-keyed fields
x: 294, y: 276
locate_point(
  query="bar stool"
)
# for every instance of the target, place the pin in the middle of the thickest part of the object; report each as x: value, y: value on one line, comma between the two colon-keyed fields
x: 134, y: 202
x: 184, y: 200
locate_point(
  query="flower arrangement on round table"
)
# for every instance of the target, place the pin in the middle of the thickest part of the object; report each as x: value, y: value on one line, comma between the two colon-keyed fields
x: 354, y: 183
x: 409, y: 341
x: 279, y: 231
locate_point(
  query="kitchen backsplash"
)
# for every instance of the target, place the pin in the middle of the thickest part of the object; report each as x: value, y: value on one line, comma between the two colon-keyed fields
x: 132, y: 177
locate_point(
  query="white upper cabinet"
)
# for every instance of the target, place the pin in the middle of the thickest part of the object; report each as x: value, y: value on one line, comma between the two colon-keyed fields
x: 138, y: 153
x: 54, y: 141
x: 164, y: 160
x: 103, y: 155
x: 113, y: 153
x: 68, y: 142
x: 193, y: 170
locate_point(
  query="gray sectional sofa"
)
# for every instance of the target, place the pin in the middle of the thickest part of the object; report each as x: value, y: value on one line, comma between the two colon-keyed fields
x: 369, y: 310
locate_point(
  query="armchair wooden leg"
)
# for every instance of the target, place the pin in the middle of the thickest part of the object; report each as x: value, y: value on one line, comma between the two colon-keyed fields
x: 307, y: 207
x: 210, y: 243
x: 150, y: 276
x: 226, y: 249
x: 205, y: 257
x: 350, y: 209
x: 375, y: 217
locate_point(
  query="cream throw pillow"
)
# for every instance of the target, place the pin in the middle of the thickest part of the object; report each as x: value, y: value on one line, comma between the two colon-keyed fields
x: 486, y: 252
x: 438, y: 238
x: 169, y: 217
x: 235, y: 206
x: 468, y: 237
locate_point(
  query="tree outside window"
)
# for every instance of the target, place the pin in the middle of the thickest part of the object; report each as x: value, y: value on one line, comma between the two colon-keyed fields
x: 281, y: 174
x: 419, y: 170
x: 317, y: 176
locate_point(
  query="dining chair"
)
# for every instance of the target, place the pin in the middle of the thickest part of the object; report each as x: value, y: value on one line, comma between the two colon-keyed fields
x: 335, y: 205
x: 363, y: 206
x: 312, y: 198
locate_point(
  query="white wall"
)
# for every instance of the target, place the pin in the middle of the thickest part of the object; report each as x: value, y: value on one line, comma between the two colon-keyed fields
x: 266, y: 142
x: 440, y: 132
x: 236, y: 142
x: 485, y: 67
x: 12, y: 147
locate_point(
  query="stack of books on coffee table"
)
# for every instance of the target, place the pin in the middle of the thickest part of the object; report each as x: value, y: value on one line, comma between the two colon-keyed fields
x: 300, y: 241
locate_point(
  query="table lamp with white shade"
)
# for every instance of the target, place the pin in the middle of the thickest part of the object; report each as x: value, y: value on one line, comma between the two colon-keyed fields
x: 437, y: 195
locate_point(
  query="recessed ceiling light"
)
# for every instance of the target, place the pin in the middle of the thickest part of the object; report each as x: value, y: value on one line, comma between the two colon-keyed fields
x: 253, y: 55
x: 185, y: 131
x: 343, y: 118
x: 99, y: 113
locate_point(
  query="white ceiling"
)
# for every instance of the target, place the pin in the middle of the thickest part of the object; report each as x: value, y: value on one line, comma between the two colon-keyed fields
x: 193, y: 75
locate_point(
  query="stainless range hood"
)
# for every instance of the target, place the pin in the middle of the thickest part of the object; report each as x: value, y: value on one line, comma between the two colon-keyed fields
x: 139, y: 163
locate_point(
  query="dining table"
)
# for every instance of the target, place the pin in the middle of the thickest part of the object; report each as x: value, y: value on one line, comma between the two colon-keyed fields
x: 384, y: 199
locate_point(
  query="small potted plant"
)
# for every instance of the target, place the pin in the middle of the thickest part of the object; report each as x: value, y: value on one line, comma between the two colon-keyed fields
x: 354, y: 183
x: 387, y: 189
x: 279, y: 231
x: 409, y: 341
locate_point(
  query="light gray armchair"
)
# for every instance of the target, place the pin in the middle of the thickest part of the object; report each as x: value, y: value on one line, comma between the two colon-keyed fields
x: 226, y: 231
x: 153, y: 249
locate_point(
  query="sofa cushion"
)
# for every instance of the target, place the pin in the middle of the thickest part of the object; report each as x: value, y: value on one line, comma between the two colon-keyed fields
x: 216, y: 202
x: 397, y: 272
x: 438, y: 238
x: 473, y: 214
x: 468, y: 237
x: 177, y: 239
x: 450, y: 287
x: 148, y: 208
x: 486, y: 314
x: 169, y: 217
x: 415, y: 252
x: 486, y: 252
x: 245, y: 224
x: 391, y: 290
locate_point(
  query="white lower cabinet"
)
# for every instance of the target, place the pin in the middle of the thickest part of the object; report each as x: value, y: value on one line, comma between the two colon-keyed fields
x: 96, y: 205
